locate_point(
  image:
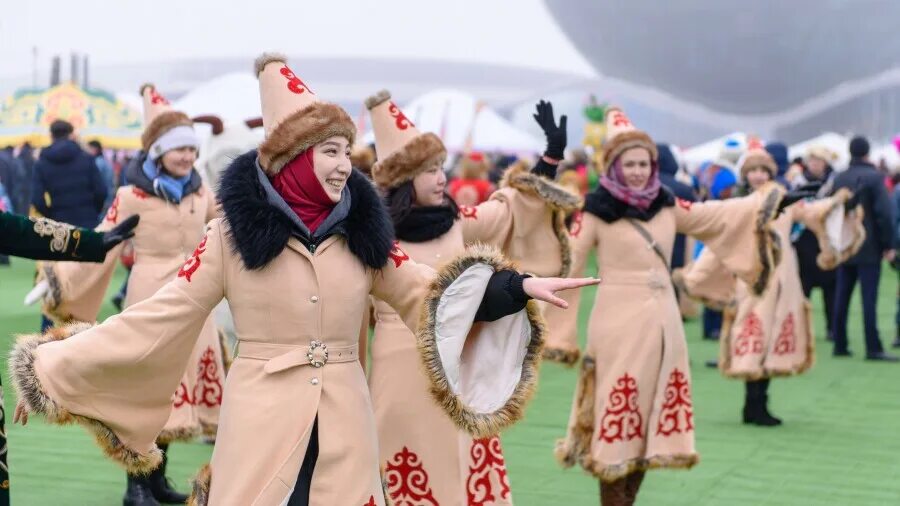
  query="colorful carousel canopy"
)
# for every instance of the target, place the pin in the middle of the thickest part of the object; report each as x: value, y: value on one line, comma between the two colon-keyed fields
x: 26, y: 116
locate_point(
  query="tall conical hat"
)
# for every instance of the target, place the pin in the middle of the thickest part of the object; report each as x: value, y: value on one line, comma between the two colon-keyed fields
x: 294, y: 117
x: 622, y: 135
x: 402, y: 150
x: 159, y: 116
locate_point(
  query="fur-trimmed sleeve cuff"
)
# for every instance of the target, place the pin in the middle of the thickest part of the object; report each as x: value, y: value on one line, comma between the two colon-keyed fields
x: 840, y: 233
x: 482, y: 375
x: 36, y: 398
x: 768, y: 246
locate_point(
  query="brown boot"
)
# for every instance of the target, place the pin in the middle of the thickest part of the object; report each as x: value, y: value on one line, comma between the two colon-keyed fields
x: 614, y: 493
x: 634, y: 481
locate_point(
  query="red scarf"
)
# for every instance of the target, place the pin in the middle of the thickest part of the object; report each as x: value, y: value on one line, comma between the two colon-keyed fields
x: 300, y: 188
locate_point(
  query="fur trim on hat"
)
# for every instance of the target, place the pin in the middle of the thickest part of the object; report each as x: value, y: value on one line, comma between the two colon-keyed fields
x: 302, y: 130
x: 162, y: 124
x: 625, y: 141
x: 560, y: 201
x: 30, y: 390
x: 266, y: 58
x: 407, y: 162
x: 200, y: 487
x: 378, y: 99
x: 758, y: 158
x: 476, y: 424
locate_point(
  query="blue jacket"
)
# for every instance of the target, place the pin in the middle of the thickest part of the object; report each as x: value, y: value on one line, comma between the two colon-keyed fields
x: 864, y: 179
x: 67, y: 186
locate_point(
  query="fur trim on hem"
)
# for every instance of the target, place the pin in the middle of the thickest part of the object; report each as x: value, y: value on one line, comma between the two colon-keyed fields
x: 681, y: 285
x: 613, y: 472
x: 561, y: 356
x: 209, y: 429
x: 478, y: 425
x: 560, y: 201
x: 829, y: 258
x: 200, y: 487
x: 767, y: 242
x: 577, y: 444
x: 423, y: 151
x: 184, y: 434
x: 301, y: 130
x: 30, y: 390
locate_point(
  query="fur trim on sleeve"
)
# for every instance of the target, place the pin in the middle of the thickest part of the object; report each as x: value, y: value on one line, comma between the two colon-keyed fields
x: 30, y: 390
x: 767, y: 242
x: 474, y: 423
x: 200, y: 487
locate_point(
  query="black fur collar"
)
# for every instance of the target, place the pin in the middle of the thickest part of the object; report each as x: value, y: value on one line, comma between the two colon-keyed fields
x: 603, y: 205
x: 426, y: 223
x: 259, y: 231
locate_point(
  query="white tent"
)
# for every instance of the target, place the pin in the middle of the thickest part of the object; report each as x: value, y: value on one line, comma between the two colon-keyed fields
x: 232, y: 97
x: 454, y: 116
x: 836, y: 143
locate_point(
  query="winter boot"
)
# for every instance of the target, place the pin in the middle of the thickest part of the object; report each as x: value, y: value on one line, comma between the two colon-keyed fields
x: 160, y: 486
x: 137, y: 492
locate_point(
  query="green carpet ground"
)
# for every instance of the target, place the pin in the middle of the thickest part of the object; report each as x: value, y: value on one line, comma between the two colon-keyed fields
x: 840, y: 444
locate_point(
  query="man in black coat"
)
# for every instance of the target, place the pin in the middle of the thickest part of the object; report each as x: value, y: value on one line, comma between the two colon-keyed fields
x: 66, y: 184
x: 864, y: 180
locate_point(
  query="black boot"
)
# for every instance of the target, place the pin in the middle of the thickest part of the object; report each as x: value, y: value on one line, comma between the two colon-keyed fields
x: 756, y: 405
x: 137, y: 492
x: 160, y: 486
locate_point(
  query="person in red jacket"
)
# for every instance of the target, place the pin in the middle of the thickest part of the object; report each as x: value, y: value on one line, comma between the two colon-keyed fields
x: 471, y: 187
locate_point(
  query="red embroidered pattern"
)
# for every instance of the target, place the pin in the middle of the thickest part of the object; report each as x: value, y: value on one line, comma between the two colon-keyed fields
x: 575, y: 229
x: 208, y: 390
x: 294, y: 83
x: 112, y: 215
x: 677, y: 414
x: 684, y: 204
x: 402, y: 121
x: 750, y: 340
x: 622, y: 421
x: 371, y: 501
x: 156, y: 98
x: 407, y: 481
x: 398, y: 255
x: 182, y: 396
x: 619, y: 119
x: 193, y: 263
x: 141, y: 194
x: 487, y: 459
x: 469, y: 212
x: 787, y: 338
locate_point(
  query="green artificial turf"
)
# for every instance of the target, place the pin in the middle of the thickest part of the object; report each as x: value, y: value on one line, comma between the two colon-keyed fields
x: 840, y: 444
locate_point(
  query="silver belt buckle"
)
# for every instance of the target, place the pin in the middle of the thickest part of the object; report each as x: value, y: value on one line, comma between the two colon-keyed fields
x: 310, y: 353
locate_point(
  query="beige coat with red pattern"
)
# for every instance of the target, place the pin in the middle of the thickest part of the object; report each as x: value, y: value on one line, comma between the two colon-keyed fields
x: 632, y: 408
x: 164, y: 239
x: 424, y: 456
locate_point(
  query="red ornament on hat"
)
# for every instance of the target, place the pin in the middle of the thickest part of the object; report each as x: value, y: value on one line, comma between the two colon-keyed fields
x: 402, y: 121
x: 619, y: 119
x: 295, y: 84
x: 156, y: 98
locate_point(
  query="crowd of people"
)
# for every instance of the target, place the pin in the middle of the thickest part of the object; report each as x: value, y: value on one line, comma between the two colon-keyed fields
x: 312, y: 238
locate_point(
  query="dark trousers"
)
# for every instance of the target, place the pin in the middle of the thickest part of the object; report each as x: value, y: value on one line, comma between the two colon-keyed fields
x: 712, y: 323
x: 868, y: 276
x: 300, y: 495
x: 829, y: 290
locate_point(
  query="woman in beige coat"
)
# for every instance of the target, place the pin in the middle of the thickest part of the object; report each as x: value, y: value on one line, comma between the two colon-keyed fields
x: 174, y: 205
x: 425, y: 458
x: 632, y: 409
x: 303, y: 243
x: 771, y: 334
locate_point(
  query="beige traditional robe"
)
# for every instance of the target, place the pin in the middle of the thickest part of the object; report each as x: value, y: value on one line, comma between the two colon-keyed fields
x: 632, y: 408
x: 164, y: 239
x: 425, y: 457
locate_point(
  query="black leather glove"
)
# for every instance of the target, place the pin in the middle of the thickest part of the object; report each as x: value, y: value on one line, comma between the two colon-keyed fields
x: 555, y: 134
x: 504, y: 296
x: 120, y: 232
x: 792, y: 197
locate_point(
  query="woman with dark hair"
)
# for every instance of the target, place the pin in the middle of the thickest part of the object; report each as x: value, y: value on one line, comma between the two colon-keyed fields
x: 304, y: 241
x: 632, y: 409
x: 420, y: 447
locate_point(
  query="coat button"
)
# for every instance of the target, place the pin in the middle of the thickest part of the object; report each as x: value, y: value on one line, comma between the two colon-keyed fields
x: 314, y: 299
x: 314, y: 381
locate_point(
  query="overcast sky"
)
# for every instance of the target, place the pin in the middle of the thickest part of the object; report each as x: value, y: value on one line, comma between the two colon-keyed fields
x: 513, y: 32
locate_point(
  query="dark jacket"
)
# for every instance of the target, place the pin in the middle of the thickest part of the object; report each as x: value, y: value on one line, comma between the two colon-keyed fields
x: 862, y: 178
x: 43, y: 239
x: 66, y: 185
x: 11, y: 175
x: 668, y: 168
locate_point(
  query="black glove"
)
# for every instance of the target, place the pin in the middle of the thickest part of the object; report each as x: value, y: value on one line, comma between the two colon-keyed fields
x: 556, y: 135
x: 815, y: 186
x: 120, y: 232
x: 791, y: 197
x: 504, y: 296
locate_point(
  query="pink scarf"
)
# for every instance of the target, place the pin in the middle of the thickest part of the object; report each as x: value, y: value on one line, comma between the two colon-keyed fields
x: 300, y: 188
x: 614, y: 182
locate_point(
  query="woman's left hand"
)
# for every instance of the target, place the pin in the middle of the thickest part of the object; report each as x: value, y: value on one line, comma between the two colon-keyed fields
x: 545, y: 288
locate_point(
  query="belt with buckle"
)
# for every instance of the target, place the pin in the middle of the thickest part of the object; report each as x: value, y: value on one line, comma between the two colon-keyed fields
x: 285, y: 356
